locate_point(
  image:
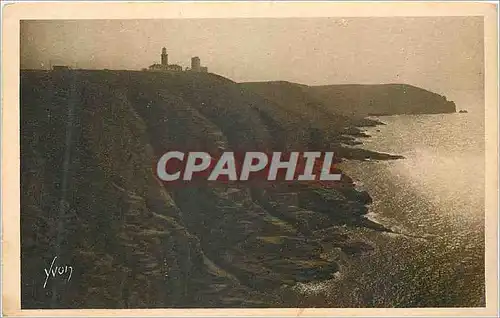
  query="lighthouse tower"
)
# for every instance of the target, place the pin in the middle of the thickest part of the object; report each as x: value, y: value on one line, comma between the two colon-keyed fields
x: 164, y: 56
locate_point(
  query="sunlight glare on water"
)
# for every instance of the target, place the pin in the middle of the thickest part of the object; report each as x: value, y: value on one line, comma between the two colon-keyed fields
x: 434, y: 201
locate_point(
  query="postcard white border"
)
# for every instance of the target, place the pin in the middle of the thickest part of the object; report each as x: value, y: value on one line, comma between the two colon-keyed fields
x: 13, y: 13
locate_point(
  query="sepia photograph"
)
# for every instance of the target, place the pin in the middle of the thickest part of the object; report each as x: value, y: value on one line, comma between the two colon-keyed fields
x: 254, y: 162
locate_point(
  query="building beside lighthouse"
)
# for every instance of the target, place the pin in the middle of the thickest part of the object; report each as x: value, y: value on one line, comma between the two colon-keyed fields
x: 196, y: 65
x: 165, y: 67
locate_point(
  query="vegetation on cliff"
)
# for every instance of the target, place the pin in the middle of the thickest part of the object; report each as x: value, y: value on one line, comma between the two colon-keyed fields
x: 358, y: 100
x: 89, y: 141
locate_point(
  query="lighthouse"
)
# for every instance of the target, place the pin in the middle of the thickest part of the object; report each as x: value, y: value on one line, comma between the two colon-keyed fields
x: 164, y: 56
x: 163, y: 66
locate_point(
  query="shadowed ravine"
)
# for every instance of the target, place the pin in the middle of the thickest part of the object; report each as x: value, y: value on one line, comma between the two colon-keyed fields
x: 89, y: 143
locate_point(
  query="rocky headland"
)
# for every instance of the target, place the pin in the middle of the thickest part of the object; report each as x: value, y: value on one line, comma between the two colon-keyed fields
x: 89, y: 195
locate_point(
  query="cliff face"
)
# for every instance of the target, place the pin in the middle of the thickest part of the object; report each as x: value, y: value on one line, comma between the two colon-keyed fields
x: 360, y: 100
x: 89, y: 141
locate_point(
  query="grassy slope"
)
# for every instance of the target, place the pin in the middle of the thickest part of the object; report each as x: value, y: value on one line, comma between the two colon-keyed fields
x: 89, y: 141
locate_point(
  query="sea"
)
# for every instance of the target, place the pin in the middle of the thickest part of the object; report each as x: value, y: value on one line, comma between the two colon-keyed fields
x: 433, y: 201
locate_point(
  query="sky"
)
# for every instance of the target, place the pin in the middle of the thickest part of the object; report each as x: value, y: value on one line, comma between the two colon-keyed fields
x: 442, y: 54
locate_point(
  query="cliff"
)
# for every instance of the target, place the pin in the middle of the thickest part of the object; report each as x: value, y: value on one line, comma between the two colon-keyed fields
x: 89, y: 141
x: 360, y: 100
